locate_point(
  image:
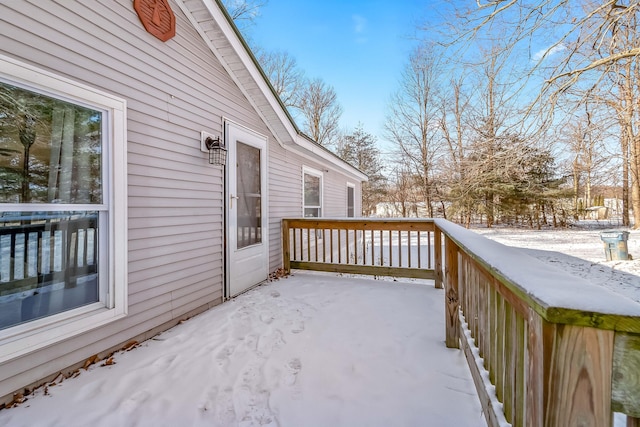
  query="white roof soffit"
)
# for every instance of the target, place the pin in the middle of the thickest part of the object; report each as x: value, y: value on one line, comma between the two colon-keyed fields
x: 225, y: 41
x: 307, y: 148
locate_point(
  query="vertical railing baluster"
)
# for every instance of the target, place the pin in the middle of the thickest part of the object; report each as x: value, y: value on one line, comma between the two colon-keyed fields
x: 324, y: 245
x: 409, y: 249
x: 355, y: 246
x: 347, y: 245
x: 315, y: 236
x: 364, y: 247
x: 429, y: 240
x: 390, y: 249
x: 399, y: 248
x: 419, y: 256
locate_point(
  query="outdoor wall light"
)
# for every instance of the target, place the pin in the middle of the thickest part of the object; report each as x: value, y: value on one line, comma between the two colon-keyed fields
x: 217, y: 150
x: 213, y: 145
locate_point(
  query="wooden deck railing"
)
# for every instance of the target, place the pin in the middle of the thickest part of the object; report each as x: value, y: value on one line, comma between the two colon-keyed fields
x: 552, y: 349
x: 389, y: 247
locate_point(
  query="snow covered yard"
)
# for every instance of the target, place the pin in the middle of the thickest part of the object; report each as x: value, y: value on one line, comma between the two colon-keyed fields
x: 578, y: 251
x: 310, y: 350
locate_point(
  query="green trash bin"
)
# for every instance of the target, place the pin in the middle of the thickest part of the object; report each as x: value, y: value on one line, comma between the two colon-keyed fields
x: 615, y: 245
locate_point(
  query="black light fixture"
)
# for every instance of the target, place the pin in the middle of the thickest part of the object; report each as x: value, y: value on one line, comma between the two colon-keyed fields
x: 217, y: 151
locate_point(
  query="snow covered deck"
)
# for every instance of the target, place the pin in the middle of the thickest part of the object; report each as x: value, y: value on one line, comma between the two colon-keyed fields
x: 309, y: 350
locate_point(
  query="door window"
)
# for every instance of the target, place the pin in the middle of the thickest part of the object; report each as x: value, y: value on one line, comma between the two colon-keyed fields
x: 249, y: 196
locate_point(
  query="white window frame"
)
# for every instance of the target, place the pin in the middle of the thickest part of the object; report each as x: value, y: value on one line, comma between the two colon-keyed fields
x: 317, y: 173
x: 25, y: 338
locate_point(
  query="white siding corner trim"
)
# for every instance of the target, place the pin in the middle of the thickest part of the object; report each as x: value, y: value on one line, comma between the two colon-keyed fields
x: 26, y: 337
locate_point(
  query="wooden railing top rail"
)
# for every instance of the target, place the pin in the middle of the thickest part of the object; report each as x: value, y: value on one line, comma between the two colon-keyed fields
x: 555, y: 295
x: 404, y: 224
x: 369, y: 246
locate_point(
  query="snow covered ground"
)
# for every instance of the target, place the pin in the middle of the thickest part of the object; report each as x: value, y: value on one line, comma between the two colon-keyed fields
x: 310, y: 350
x: 579, y: 251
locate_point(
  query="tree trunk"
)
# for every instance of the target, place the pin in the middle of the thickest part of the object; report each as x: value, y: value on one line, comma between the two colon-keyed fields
x: 624, y: 142
x: 635, y: 183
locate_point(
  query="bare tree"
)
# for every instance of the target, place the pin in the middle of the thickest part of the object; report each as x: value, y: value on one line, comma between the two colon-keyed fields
x: 584, y: 138
x: 569, y: 28
x: 455, y: 127
x: 413, y: 119
x: 402, y: 194
x: 495, y: 145
x: 284, y: 74
x: 589, y: 44
x: 244, y: 12
x: 318, y: 104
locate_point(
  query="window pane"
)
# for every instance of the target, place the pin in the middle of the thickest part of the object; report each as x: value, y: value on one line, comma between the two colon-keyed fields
x: 350, y: 202
x: 250, y: 200
x: 311, y: 190
x: 50, y: 150
x: 312, y: 212
x: 48, y: 264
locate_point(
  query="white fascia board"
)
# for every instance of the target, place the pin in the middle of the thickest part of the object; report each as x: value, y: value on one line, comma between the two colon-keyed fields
x: 315, y: 152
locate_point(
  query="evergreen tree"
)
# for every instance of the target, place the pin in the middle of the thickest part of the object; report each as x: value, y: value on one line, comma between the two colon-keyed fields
x: 359, y: 149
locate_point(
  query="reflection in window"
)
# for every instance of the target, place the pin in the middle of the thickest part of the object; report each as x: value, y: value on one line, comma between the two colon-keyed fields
x: 50, y: 150
x: 312, y: 195
x: 50, y: 153
x: 48, y: 264
x: 249, y: 220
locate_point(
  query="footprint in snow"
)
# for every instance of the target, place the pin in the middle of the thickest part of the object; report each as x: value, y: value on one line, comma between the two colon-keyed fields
x: 266, y: 318
x: 297, y: 327
x: 90, y: 390
x: 135, y: 400
x: 292, y: 370
x: 254, y: 407
x: 270, y: 342
x: 164, y: 362
x: 222, y: 358
x: 223, y: 407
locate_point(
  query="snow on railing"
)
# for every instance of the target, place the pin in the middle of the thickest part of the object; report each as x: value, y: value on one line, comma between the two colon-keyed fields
x: 555, y: 349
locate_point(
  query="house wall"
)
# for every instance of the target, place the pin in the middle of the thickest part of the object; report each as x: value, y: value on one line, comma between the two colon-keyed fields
x: 175, y: 204
x: 286, y: 193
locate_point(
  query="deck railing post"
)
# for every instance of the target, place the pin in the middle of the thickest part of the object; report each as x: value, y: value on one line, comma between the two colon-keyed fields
x: 286, y: 255
x: 437, y: 252
x: 452, y: 316
x: 569, y: 374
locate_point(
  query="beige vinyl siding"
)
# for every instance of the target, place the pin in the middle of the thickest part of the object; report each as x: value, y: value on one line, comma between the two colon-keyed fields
x: 285, y: 193
x: 175, y: 198
x: 174, y: 90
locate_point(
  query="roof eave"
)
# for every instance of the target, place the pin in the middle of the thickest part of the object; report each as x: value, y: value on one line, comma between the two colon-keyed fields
x: 214, y: 24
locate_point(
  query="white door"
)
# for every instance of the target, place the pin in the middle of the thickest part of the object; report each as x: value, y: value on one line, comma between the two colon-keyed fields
x: 248, y: 249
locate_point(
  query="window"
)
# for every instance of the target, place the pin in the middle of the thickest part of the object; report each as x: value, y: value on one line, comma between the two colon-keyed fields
x: 312, y: 192
x: 62, y: 208
x: 350, y: 200
x: 248, y: 175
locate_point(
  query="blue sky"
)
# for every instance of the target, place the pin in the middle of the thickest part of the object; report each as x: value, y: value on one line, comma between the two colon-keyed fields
x: 358, y: 47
